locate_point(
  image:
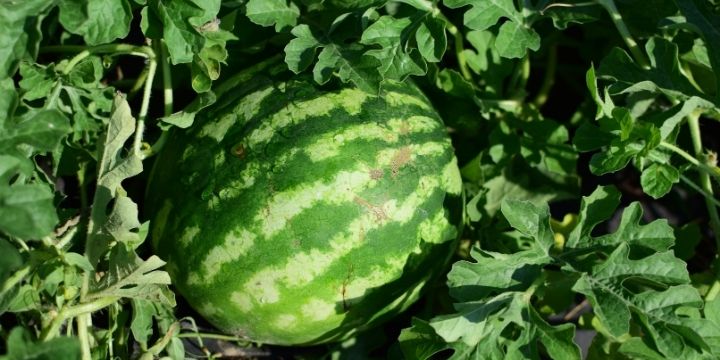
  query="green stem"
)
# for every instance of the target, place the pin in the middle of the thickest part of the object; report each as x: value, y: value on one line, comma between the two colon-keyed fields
x: 519, y: 78
x: 713, y: 291
x: 697, y: 188
x: 114, y: 49
x: 52, y: 99
x: 75, y: 60
x: 16, y: 278
x: 210, y: 336
x: 694, y: 125
x: 632, y: 45
x: 140, y: 128
x: 548, y: 78
x: 527, y: 294
x: 65, y: 239
x: 167, y: 98
x: 162, y: 342
x: 83, y: 336
x: 139, y: 82
x: 705, y: 182
x: 74, y: 311
x: 167, y: 80
x: 459, y: 47
x: 22, y: 244
x: 702, y: 167
x: 544, y: 6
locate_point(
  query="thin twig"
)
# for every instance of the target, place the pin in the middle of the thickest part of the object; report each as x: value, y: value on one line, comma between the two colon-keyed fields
x: 575, y: 311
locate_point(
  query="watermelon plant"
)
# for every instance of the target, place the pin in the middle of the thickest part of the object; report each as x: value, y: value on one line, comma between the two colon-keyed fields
x: 403, y: 179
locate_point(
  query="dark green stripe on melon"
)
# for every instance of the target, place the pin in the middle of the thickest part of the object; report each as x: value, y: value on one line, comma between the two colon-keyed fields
x: 295, y: 214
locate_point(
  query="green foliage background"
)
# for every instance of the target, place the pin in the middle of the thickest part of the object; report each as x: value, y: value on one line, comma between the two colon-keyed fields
x: 546, y: 101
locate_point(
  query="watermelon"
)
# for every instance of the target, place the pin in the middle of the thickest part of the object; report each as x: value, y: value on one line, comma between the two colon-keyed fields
x: 298, y: 214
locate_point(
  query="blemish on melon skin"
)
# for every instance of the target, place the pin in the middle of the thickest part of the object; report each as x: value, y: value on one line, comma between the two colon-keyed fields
x: 379, y: 212
x: 376, y: 174
x: 346, y: 305
x: 238, y: 151
x: 400, y: 158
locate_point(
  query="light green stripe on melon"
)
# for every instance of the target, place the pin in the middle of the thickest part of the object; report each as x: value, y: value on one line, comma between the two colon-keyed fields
x: 302, y: 268
x: 317, y: 309
x: 413, y: 124
x: 246, y: 180
x: 285, y: 321
x: 242, y: 301
x: 243, y: 111
x: 250, y: 104
x: 160, y: 222
x: 350, y: 100
x: 235, y: 245
x: 397, y: 99
x: 188, y: 235
x: 330, y: 144
x: 432, y: 229
x: 451, y: 178
x: 217, y: 129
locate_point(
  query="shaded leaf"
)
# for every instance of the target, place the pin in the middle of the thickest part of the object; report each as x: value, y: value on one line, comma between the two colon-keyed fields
x: 142, y: 320
x: 420, y: 342
x: 178, y: 22
x: 19, y: 32
x: 613, y: 302
x: 273, y: 12
x: 707, y: 23
x: 185, y: 118
x: 131, y: 277
x: 37, y: 80
x: 663, y: 76
x: 658, y: 179
x: 531, y: 220
x: 21, y: 346
x: 113, y: 168
x: 97, y: 21
x: 431, y: 39
x: 395, y: 61
x: 300, y: 51
x: 42, y: 130
x: 27, y: 211
x: 9, y: 262
x: 514, y: 37
x: 350, y: 64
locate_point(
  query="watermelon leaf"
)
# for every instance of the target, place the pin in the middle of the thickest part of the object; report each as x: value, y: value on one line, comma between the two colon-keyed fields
x: 496, y: 315
x: 395, y: 62
x: 514, y: 37
x: 273, y: 12
x: 98, y: 22
x: 113, y: 168
x: 23, y: 346
x: 131, y: 277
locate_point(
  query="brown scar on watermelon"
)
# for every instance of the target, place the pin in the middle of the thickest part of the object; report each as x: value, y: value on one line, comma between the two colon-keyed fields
x: 376, y: 174
x: 377, y: 210
x: 399, y: 160
x: 238, y: 151
x: 346, y: 306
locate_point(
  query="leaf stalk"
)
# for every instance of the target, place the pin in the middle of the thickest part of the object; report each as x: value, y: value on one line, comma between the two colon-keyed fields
x: 74, y: 311
x: 622, y: 28
x: 705, y: 182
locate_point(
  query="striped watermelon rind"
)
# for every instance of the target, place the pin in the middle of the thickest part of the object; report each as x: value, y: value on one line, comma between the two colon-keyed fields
x: 295, y: 214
